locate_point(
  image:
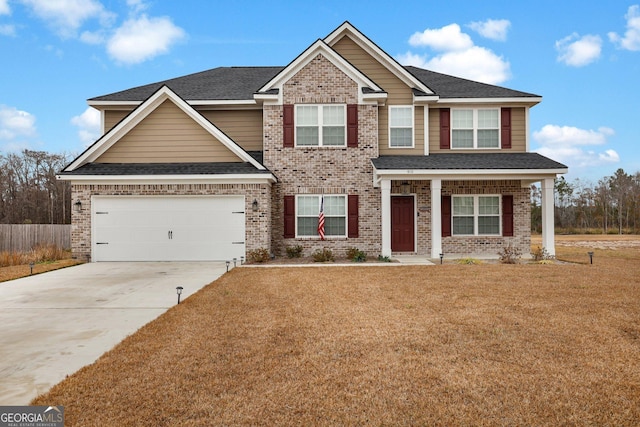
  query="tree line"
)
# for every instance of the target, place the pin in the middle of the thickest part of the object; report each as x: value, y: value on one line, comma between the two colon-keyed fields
x: 31, y: 194
x: 29, y: 190
x: 612, y: 205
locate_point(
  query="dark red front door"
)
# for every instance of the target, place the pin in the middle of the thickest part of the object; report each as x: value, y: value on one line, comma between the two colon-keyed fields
x: 402, y: 224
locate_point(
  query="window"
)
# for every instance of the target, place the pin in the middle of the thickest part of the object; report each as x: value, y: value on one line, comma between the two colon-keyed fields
x: 335, y: 215
x: 479, y: 128
x: 401, y: 126
x: 476, y: 215
x: 320, y: 125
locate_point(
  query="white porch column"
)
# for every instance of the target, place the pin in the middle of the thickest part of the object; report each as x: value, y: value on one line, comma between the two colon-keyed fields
x: 548, y: 231
x: 436, y: 218
x: 385, y: 186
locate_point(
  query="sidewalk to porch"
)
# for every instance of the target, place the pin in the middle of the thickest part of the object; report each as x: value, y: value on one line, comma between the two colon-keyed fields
x: 412, y: 259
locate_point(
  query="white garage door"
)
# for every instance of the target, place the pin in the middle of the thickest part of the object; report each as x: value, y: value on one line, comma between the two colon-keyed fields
x: 180, y: 228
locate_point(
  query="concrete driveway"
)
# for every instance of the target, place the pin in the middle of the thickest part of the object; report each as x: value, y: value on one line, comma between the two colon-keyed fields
x: 55, y: 323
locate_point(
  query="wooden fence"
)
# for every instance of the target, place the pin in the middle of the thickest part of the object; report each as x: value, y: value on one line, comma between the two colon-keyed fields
x: 23, y: 237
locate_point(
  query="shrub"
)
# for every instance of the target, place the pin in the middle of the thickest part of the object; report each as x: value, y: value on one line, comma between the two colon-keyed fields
x: 541, y: 254
x: 384, y: 258
x: 356, y: 255
x: 294, y: 251
x: 323, y: 255
x: 258, y: 255
x: 510, y: 254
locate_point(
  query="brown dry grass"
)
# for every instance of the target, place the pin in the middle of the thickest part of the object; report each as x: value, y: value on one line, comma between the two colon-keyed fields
x: 14, y: 265
x: 442, y: 345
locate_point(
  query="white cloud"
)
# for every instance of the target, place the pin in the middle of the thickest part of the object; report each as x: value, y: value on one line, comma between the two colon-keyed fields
x: 4, y: 7
x: 7, y: 30
x: 573, y: 146
x: 93, y: 37
x: 579, y: 51
x: 457, y: 56
x: 16, y: 123
x: 631, y: 39
x: 88, y: 124
x: 143, y: 38
x: 137, y: 6
x: 67, y: 16
x: 447, y: 38
x: 494, y: 29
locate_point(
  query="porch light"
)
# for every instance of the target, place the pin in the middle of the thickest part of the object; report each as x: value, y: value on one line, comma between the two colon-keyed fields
x: 441, y: 257
x: 590, y: 257
x: 179, y: 292
x: 228, y: 262
x: 77, y: 206
x: 405, y: 187
x: 254, y: 205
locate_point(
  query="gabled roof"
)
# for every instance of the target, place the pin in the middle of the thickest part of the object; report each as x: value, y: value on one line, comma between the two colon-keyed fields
x: 319, y: 48
x: 164, y: 93
x: 118, y: 169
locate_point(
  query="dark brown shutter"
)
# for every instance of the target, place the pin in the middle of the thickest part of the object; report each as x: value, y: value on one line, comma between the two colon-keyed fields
x: 505, y: 131
x: 289, y: 216
x: 287, y: 125
x: 507, y: 215
x: 445, y: 128
x: 446, y: 216
x: 353, y: 216
x: 352, y: 125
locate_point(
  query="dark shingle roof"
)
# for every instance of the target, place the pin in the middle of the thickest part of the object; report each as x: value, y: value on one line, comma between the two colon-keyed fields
x: 223, y: 83
x: 223, y: 168
x: 455, y: 87
x: 452, y: 161
x: 240, y: 83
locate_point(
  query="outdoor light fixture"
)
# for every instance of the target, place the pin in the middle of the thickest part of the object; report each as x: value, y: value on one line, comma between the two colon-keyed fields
x: 242, y: 260
x: 77, y: 206
x: 179, y: 292
x: 31, y: 264
x: 235, y: 260
x: 590, y: 257
x: 227, y: 262
x: 441, y: 257
x: 254, y: 205
x: 405, y: 187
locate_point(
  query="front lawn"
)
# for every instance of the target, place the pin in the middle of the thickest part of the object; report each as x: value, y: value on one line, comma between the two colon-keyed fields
x: 420, y: 345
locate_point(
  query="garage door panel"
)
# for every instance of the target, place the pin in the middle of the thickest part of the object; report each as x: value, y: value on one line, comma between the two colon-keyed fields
x: 168, y: 228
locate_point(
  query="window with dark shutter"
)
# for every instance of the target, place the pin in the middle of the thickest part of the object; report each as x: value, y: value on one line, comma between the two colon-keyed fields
x: 507, y: 215
x: 289, y: 217
x: 288, y: 125
x: 352, y: 125
x: 445, y: 128
x: 505, y: 127
x: 446, y: 216
x: 353, y: 216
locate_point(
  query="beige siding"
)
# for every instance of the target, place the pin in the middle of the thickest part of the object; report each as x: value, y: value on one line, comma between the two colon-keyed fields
x: 167, y: 135
x: 113, y: 117
x: 418, y: 133
x: 398, y: 94
x: 518, y: 131
x: 242, y: 126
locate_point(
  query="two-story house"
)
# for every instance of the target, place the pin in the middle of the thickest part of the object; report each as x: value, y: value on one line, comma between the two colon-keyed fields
x: 396, y: 159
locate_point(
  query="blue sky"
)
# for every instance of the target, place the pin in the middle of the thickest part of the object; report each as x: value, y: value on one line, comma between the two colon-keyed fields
x: 583, y: 57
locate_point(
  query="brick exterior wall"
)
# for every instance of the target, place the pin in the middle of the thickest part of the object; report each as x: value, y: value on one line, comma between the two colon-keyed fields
x: 324, y: 170
x: 489, y: 244
x: 257, y: 224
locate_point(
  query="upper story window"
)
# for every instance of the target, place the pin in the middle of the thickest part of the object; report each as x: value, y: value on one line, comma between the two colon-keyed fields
x: 401, y: 126
x: 476, y: 215
x: 321, y: 125
x: 475, y: 128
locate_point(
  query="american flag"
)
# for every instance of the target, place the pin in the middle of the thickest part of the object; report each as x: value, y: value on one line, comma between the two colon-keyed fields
x: 321, y: 219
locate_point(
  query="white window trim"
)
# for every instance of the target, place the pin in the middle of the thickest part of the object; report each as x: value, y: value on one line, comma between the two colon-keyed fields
x: 476, y: 215
x: 320, y: 124
x: 326, y: 236
x: 475, y: 129
x: 413, y: 125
